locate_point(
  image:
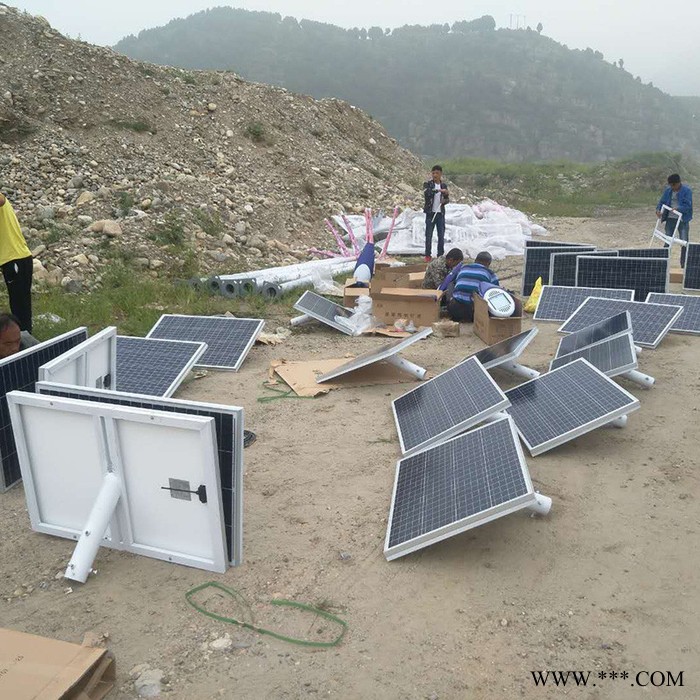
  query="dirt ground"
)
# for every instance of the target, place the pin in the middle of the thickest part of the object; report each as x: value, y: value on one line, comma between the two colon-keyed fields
x: 606, y: 583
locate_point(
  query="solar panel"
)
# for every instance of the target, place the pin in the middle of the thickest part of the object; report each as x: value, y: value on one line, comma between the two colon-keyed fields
x: 154, y: 367
x: 457, y: 485
x: 536, y: 263
x: 558, y: 303
x: 20, y: 372
x: 691, y: 274
x: 565, y: 403
x: 384, y: 352
x: 562, y: 267
x: 228, y: 425
x: 550, y: 244
x: 446, y: 405
x: 612, y: 356
x: 603, y: 330
x: 644, y: 275
x: 644, y: 252
x: 506, y: 350
x: 323, y: 310
x: 650, y: 322
x: 689, y: 320
x: 228, y: 339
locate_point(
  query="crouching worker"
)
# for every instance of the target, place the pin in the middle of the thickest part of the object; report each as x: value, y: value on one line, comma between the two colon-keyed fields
x: 476, y: 277
x: 12, y: 339
x: 442, y: 273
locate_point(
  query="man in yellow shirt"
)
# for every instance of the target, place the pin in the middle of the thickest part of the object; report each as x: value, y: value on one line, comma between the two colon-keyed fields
x: 16, y: 264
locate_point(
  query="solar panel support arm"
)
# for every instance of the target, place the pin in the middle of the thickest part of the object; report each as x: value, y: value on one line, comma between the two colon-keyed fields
x: 644, y: 380
x: 542, y: 504
x: 406, y: 366
x: 90, y: 540
x: 520, y: 370
x: 620, y: 422
x: 301, y: 320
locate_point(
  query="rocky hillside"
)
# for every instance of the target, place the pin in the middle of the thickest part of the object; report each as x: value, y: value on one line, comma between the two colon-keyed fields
x: 177, y: 172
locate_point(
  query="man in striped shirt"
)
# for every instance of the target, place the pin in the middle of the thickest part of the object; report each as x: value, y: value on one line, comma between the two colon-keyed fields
x: 474, y: 277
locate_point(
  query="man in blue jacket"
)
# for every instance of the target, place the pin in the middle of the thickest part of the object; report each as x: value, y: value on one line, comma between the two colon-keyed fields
x: 680, y: 198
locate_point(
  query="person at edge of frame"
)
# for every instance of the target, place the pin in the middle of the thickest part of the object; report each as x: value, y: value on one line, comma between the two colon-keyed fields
x: 12, y: 339
x: 679, y: 198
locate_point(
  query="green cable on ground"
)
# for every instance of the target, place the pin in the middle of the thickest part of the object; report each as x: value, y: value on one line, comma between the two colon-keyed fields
x: 279, y: 394
x: 235, y: 595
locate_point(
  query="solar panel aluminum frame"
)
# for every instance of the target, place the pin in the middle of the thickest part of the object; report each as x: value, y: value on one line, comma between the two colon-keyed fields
x: 535, y: 316
x: 87, y: 361
x: 46, y: 388
x: 627, y: 329
x: 552, y: 249
x: 389, y: 350
x: 244, y: 352
x: 611, y: 373
x: 186, y: 368
x: 675, y: 329
x: 120, y: 524
x: 555, y: 258
x: 586, y: 427
x: 528, y: 337
x: 637, y: 341
x: 318, y: 317
x: 18, y: 357
x: 665, y: 261
x: 525, y: 501
x: 455, y: 429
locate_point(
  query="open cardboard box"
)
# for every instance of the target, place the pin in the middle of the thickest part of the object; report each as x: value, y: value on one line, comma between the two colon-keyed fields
x: 491, y: 329
x: 350, y: 293
x: 37, y: 668
x: 405, y: 276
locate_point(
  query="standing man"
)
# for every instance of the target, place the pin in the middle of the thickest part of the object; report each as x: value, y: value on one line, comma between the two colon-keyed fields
x: 435, y: 196
x: 17, y: 265
x: 680, y: 198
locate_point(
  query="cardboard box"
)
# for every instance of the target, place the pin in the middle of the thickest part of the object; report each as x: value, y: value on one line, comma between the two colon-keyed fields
x: 37, y: 668
x: 350, y: 294
x: 399, y: 276
x: 422, y: 306
x: 490, y: 329
x: 676, y: 276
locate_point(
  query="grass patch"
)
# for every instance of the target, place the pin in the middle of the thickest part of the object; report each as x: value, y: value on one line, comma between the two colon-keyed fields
x: 209, y: 223
x: 255, y: 131
x: 573, y: 189
x: 170, y: 231
x: 140, y: 126
x: 189, y: 79
x: 125, y: 203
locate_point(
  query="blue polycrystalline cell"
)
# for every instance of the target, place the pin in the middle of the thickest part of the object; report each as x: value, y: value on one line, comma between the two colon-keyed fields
x: 689, y: 320
x: 154, y: 367
x: 536, y: 263
x: 20, y: 372
x: 691, y: 274
x: 446, y: 405
x: 565, y: 403
x: 558, y: 303
x: 228, y: 339
x: 644, y: 275
x: 607, y: 328
x: 319, y: 308
x: 228, y: 424
x: 612, y: 356
x: 650, y: 322
x: 562, y: 267
x: 456, y: 485
x: 505, y: 350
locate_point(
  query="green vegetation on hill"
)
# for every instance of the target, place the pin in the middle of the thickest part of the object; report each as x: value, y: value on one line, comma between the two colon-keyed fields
x: 573, y: 189
x: 464, y: 90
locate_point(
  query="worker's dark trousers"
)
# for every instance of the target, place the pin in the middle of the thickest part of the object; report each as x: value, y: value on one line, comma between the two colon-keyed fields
x: 18, y: 278
x: 436, y: 221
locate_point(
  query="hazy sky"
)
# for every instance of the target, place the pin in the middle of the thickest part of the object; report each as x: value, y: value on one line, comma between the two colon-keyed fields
x: 638, y: 31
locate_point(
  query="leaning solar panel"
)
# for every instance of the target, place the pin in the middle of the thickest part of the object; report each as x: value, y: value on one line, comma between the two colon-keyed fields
x: 228, y: 339
x: 650, y: 322
x: 457, y: 485
x: 446, y: 405
x: 536, y: 263
x: 228, y: 424
x: 325, y: 311
x: 610, y: 327
x: 550, y: 244
x: 644, y: 252
x: 612, y: 356
x: 558, y: 303
x: 644, y: 275
x: 562, y: 267
x: 20, y: 372
x: 565, y: 403
x: 689, y: 320
x: 691, y: 274
x: 506, y: 350
x: 154, y: 367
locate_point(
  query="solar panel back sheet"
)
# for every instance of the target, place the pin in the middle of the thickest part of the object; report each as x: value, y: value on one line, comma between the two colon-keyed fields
x: 558, y: 303
x: 457, y: 485
x: 565, y: 403
x: 446, y: 405
x: 228, y: 339
x: 21, y: 372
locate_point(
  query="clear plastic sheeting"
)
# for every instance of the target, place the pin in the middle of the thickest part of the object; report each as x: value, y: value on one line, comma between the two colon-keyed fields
x: 500, y: 230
